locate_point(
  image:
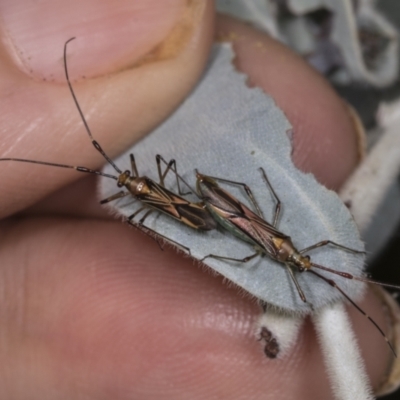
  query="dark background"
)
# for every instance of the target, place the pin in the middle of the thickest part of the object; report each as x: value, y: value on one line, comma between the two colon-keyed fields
x: 385, y: 266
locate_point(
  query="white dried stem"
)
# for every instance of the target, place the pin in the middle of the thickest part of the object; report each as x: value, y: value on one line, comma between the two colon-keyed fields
x: 283, y: 328
x: 342, y: 357
x: 368, y: 185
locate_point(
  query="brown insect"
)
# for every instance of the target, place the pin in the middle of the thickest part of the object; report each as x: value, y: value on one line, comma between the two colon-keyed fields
x: 154, y: 196
x: 251, y: 227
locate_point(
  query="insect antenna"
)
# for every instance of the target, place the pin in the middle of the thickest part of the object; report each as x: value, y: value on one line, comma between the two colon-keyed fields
x: 94, y: 142
x: 77, y: 168
x: 334, y: 284
x: 356, y: 278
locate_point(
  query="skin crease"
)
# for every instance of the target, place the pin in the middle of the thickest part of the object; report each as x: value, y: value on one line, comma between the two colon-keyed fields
x: 116, y: 318
x: 116, y: 105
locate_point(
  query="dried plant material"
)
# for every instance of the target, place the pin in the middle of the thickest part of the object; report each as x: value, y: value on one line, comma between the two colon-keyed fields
x: 366, y: 188
x: 347, y: 41
x: 278, y: 332
x: 226, y: 129
x: 343, y: 361
x: 229, y: 130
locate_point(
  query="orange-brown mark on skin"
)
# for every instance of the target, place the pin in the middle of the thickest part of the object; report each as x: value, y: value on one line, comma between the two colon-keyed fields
x: 325, y: 134
x: 119, y: 109
x: 173, y: 43
x: 179, y: 36
x: 360, y: 132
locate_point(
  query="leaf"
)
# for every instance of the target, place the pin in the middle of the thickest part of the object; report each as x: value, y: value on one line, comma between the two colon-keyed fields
x: 228, y: 130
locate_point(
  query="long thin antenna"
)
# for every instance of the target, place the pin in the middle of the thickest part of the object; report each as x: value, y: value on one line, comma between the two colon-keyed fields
x: 334, y: 284
x: 77, y: 168
x: 356, y: 278
x: 94, y: 142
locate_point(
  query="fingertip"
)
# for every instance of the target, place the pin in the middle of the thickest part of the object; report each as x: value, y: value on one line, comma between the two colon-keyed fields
x: 40, y: 121
x: 377, y: 354
x: 117, y: 34
x: 326, y: 134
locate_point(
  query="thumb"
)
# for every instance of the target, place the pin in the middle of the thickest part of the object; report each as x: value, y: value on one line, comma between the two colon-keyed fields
x: 139, y: 60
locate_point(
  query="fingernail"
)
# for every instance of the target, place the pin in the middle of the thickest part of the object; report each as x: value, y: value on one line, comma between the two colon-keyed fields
x: 109, y: 35
x: 361, y: 136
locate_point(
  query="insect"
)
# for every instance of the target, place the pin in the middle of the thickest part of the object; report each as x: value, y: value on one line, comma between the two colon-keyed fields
x: 238, y: 219
x: 154, y: 196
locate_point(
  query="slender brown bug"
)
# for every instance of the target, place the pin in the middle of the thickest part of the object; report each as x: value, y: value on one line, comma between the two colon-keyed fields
x: 238, y: 219
x: 154, y: 196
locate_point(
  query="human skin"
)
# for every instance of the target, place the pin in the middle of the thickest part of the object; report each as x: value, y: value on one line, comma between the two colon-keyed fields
x: 92, y: 309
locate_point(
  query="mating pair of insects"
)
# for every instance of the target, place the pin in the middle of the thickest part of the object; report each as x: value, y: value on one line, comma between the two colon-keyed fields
x: 216, y: 207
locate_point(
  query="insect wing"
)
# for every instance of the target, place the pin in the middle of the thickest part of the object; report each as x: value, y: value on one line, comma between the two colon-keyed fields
x: 192, y: 214
x: 238, y: 218
x: 259, y: 230
x: 196, y: 216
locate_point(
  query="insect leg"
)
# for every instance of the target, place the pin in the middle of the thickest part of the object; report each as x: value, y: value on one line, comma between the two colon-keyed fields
x: 135, y: 172
x: 150, y: 232
x: 155, y: 235
x: 296, y: 283
x: 278, y: 202
x: 141, y: 221
x: 147, y: 231
x: 171, y: 166
x: 115, y: 196
x: 334, y: 284
x: 246, y: 259
x: 326, y: 242
x: 247, y: 190
x: 139, y: 225
x: 132, y: 216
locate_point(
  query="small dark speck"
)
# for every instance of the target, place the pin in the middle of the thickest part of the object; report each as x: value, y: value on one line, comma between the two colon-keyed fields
x: 348, y: 204
x: 253, y: 152
x: 271, y: 349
